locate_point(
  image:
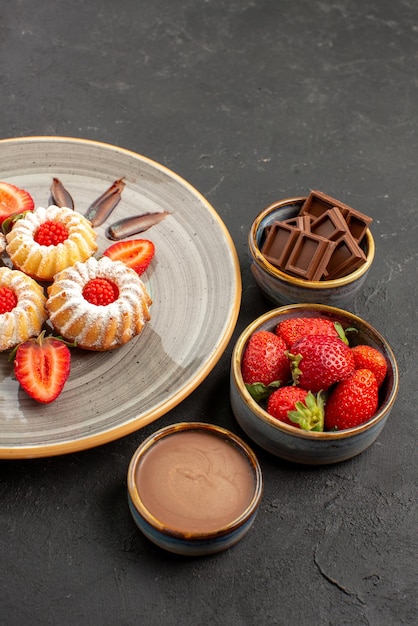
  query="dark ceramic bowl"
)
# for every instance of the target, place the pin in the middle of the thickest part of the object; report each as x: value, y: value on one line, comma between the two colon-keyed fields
x: 194, y: 489
x: 291, y: 443
x: 282, y: 288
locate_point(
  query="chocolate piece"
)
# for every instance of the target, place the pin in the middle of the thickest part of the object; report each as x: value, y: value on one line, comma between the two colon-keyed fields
x: 330, y: 224
x: 357, y: 225
x: 279, y: 243
x: 346, y: 257
x: 317, y: 203
x: 310, y: 256
x: 301, y: 222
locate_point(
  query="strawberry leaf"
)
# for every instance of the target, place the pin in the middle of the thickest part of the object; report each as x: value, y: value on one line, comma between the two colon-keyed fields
x: 343, y: 333
x: 260, y: 391
x: 9, y: 222
x: 309, y: 415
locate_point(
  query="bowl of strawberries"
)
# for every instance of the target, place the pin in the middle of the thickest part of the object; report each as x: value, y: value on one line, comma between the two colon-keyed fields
x: 312, y: 384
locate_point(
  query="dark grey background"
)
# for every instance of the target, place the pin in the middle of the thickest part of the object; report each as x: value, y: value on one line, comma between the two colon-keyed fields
x: 250, y: 101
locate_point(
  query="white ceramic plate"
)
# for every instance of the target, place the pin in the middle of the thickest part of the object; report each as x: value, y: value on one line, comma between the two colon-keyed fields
x: 194, y: 281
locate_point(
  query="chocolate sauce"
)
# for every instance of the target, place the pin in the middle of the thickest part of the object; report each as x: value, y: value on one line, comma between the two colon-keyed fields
x: 195, y: 482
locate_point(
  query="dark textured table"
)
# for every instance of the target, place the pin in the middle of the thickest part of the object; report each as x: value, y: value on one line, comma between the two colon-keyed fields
x: 250, y: 102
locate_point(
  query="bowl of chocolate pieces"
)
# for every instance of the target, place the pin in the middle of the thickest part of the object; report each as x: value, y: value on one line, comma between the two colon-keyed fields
x: 312, y: 249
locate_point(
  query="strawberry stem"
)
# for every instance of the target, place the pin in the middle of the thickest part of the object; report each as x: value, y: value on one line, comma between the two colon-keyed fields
x: 295, y: 360
x: 309, y: 414
x: 40, y: 340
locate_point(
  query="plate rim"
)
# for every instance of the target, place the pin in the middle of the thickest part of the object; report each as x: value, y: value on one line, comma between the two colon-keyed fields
x: 122, y: 430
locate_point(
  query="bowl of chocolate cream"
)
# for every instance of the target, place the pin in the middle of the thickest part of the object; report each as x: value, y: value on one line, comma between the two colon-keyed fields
x: 194, y: 488
x: 312, y: 249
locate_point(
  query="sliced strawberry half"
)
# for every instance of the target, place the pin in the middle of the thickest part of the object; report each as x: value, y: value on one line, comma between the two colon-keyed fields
x: 14, y: 200
x: 135, y: 253
x: 42, y: 366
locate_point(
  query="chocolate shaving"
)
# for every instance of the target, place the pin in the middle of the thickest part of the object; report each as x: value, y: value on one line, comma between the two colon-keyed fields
x: 102, y: 207
x: 59, y: 195
x: 133, y: 225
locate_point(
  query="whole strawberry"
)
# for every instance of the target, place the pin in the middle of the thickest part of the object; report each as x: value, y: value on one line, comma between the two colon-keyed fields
x: 352, y: 401
x: 264, y: 363
x: 319, y: 361
x: 292, y: 329
x: 297, y: 407
x: 367, y: 357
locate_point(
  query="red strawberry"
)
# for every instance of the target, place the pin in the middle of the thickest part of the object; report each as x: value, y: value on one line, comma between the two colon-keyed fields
x: 100, y: 291
x: 319, y: 361
x: 13, y: 200
x: 367, y: 357
x: 352, y: 401
x: 51, y: 233
x: 292, y: 329
x: 297, y: 407
x: 42, y: 366
x: 135, y: 253
x: 8, y: 299
x: 264, y: 363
